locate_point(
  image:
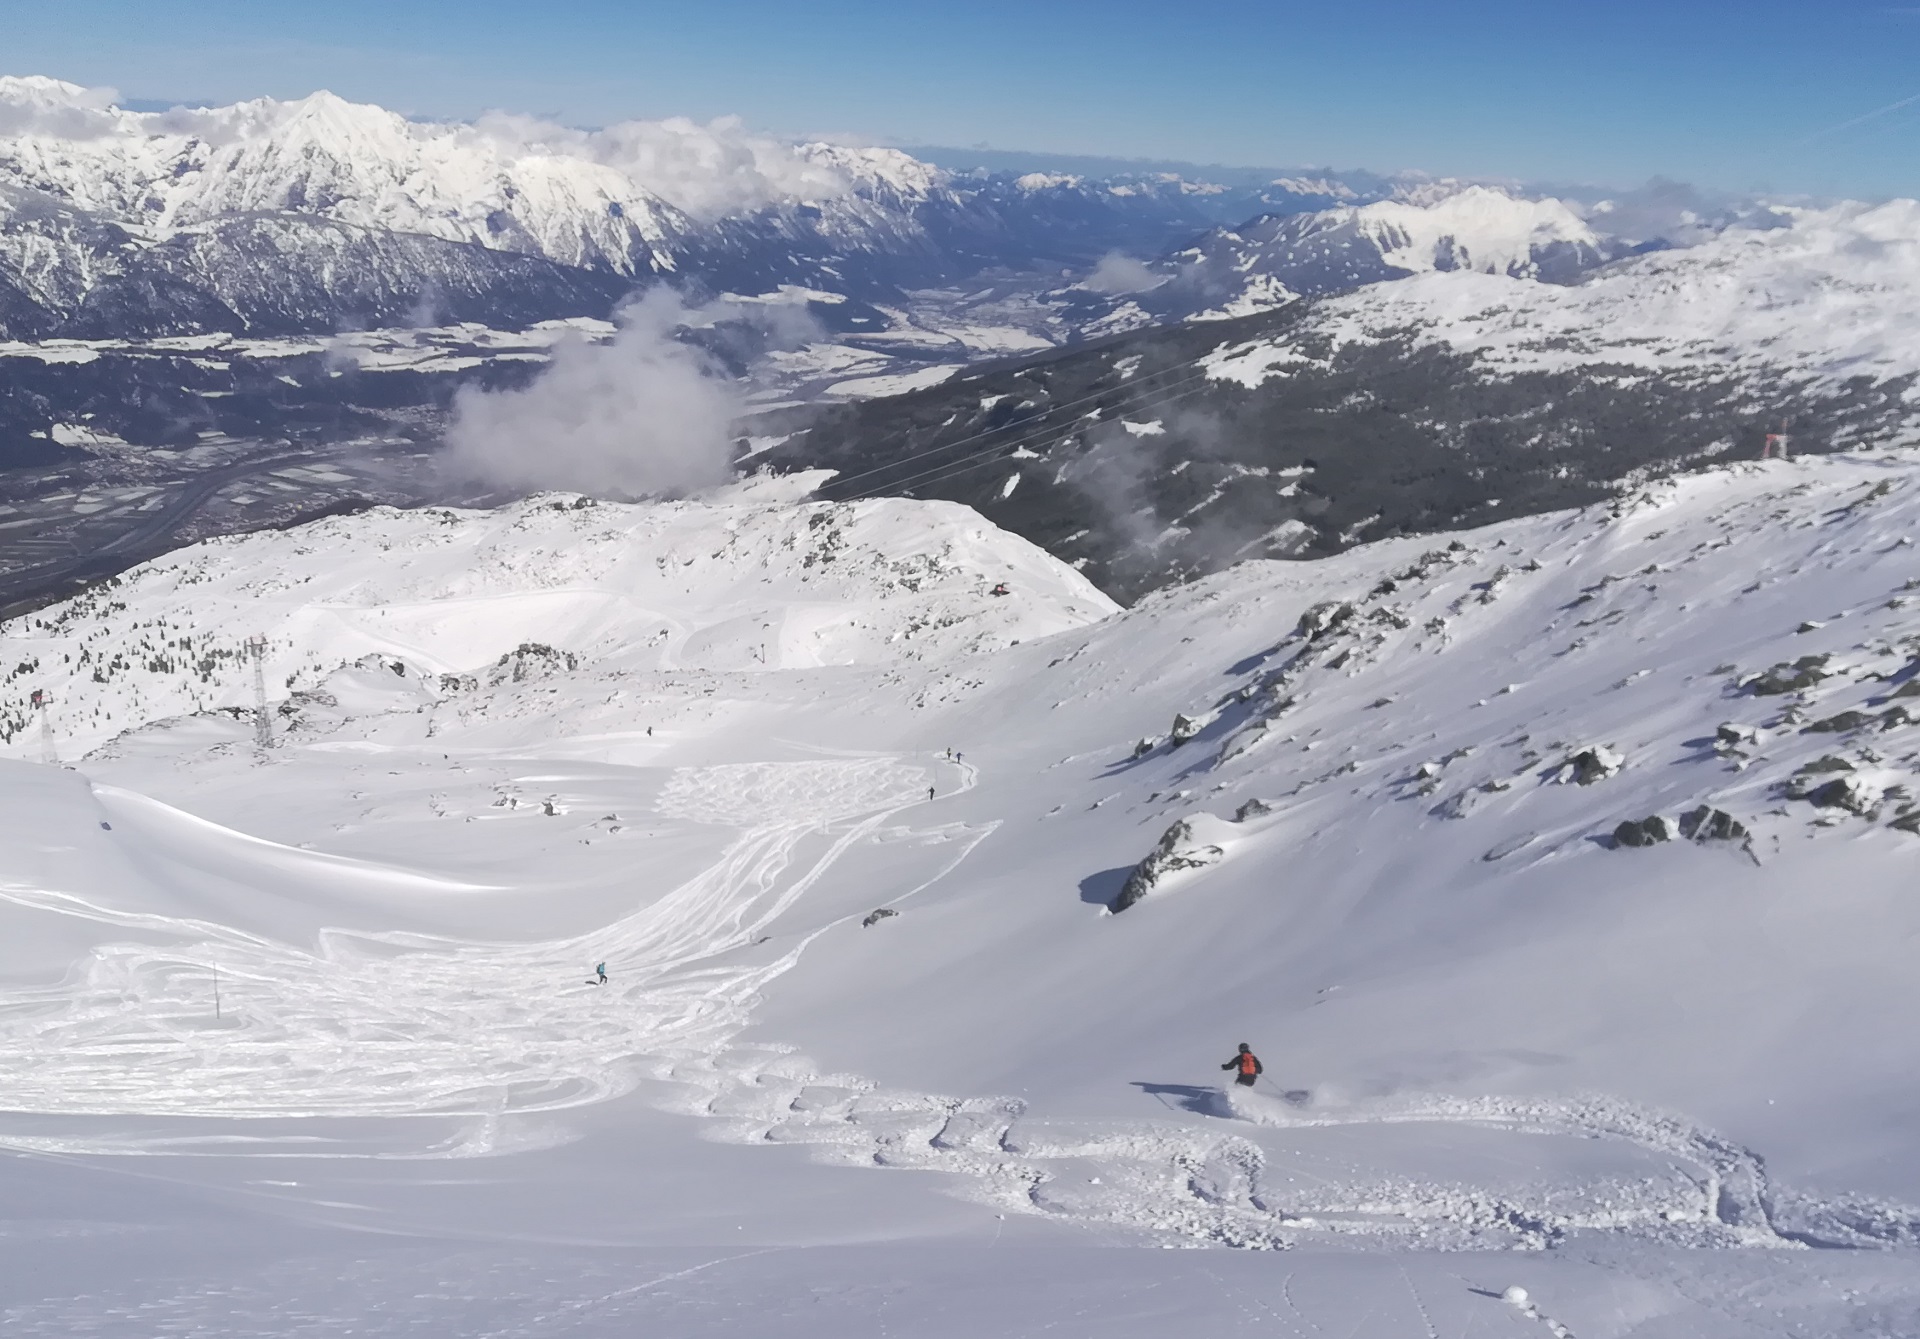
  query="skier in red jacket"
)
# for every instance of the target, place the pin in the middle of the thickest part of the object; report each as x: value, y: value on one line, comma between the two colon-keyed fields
x: 1247, y: 1063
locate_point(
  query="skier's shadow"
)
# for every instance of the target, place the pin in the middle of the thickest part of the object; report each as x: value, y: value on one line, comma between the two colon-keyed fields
x: 1188, y: 1097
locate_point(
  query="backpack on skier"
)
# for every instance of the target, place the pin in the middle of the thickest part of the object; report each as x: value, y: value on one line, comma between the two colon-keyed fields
x: 1247, y: 1063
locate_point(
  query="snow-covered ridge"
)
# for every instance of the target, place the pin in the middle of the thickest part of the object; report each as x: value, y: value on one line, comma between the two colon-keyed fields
x: 1822, y: 301
x: 746, y: 585
x: 1276, y: 259
x: 615, y: 197
x: 1478, y: 228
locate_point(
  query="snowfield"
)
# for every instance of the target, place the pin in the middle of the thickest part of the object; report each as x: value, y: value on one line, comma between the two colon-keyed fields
x: 1819, y: 302
x: 746, y: 585
x: 1559, y: 872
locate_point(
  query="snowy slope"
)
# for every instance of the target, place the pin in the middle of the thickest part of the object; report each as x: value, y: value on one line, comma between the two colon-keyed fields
x: 1659, y: 1073
x: 553, y: 580
x: 1272, y: 260
x: 1820, y: 302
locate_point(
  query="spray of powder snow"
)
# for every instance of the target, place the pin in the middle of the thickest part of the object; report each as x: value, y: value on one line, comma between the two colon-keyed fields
x: 642, y: 415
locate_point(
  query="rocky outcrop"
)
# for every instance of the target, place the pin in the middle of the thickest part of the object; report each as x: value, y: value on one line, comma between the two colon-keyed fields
x: 530, y: 660
x: 1323, y: 618
x: 1702, y: 824
x: 1596, y: 762
x: 1649, y: 831
x: 1806, y: 672
x: 1843, y: 793
x: 1179, y: 849
x: 1186, y: 727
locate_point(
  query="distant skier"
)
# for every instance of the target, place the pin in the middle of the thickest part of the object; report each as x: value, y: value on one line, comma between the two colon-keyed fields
x: 929, y: 792
x: 1247, y: 1063
x: 600, y: 970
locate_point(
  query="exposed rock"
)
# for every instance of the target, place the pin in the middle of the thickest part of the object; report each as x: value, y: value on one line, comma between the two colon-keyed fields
x: 1707, y: 824
x: 1490, y: 588
x: 1323, y: 618
x: 1254, y: 808
x: 1735, y: 735
x: 1908, y: 822
x: 529, y: 660
x: 1843, y: 793
x: 1178, y: 849
x: 1145, y: 746
x: 1894, y: 716
x: 1186, y: 727
x: 1454, y: 806
x: 1594, y: 763
x: 1834, y: 725
x: 1806, y: 672
x: 1911, y: 688
x: 875, y: 916
x: 1828, y: 763
x: 1642, y: 831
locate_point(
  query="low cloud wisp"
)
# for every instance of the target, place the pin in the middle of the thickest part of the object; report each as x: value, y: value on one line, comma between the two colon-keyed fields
x: 643, y: 415
x: 1117, y: 274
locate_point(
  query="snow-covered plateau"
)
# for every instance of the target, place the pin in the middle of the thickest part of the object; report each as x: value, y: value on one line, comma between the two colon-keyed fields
x: 1559, y: 871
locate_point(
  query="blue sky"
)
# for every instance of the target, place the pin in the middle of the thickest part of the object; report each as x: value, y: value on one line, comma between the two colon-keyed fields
x: 1734, y: 95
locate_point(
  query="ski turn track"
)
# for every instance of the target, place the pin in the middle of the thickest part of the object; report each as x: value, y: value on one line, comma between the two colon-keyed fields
x: 440, y: 1042
x: 410, y: 1025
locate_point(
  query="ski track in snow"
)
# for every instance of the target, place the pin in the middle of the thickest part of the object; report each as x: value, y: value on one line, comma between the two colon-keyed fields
x: 1213, y: 1188
x: 415, y: 1026
x: 386, y: 1025
x: 464, y: 1037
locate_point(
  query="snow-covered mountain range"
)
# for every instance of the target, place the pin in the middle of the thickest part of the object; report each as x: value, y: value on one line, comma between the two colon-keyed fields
x: 1275, y: 258
x: 116, y: 223
x: 1558, y: 870
x: 1433, y: 400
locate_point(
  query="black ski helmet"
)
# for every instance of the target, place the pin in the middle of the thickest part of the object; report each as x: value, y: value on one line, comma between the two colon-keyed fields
x: 1245, y: 1047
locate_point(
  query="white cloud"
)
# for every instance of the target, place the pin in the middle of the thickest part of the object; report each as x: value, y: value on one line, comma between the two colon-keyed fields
x: 1120, y: 274
x: 707, y: 170
x: 641, y: 416
x: 55, y: 109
